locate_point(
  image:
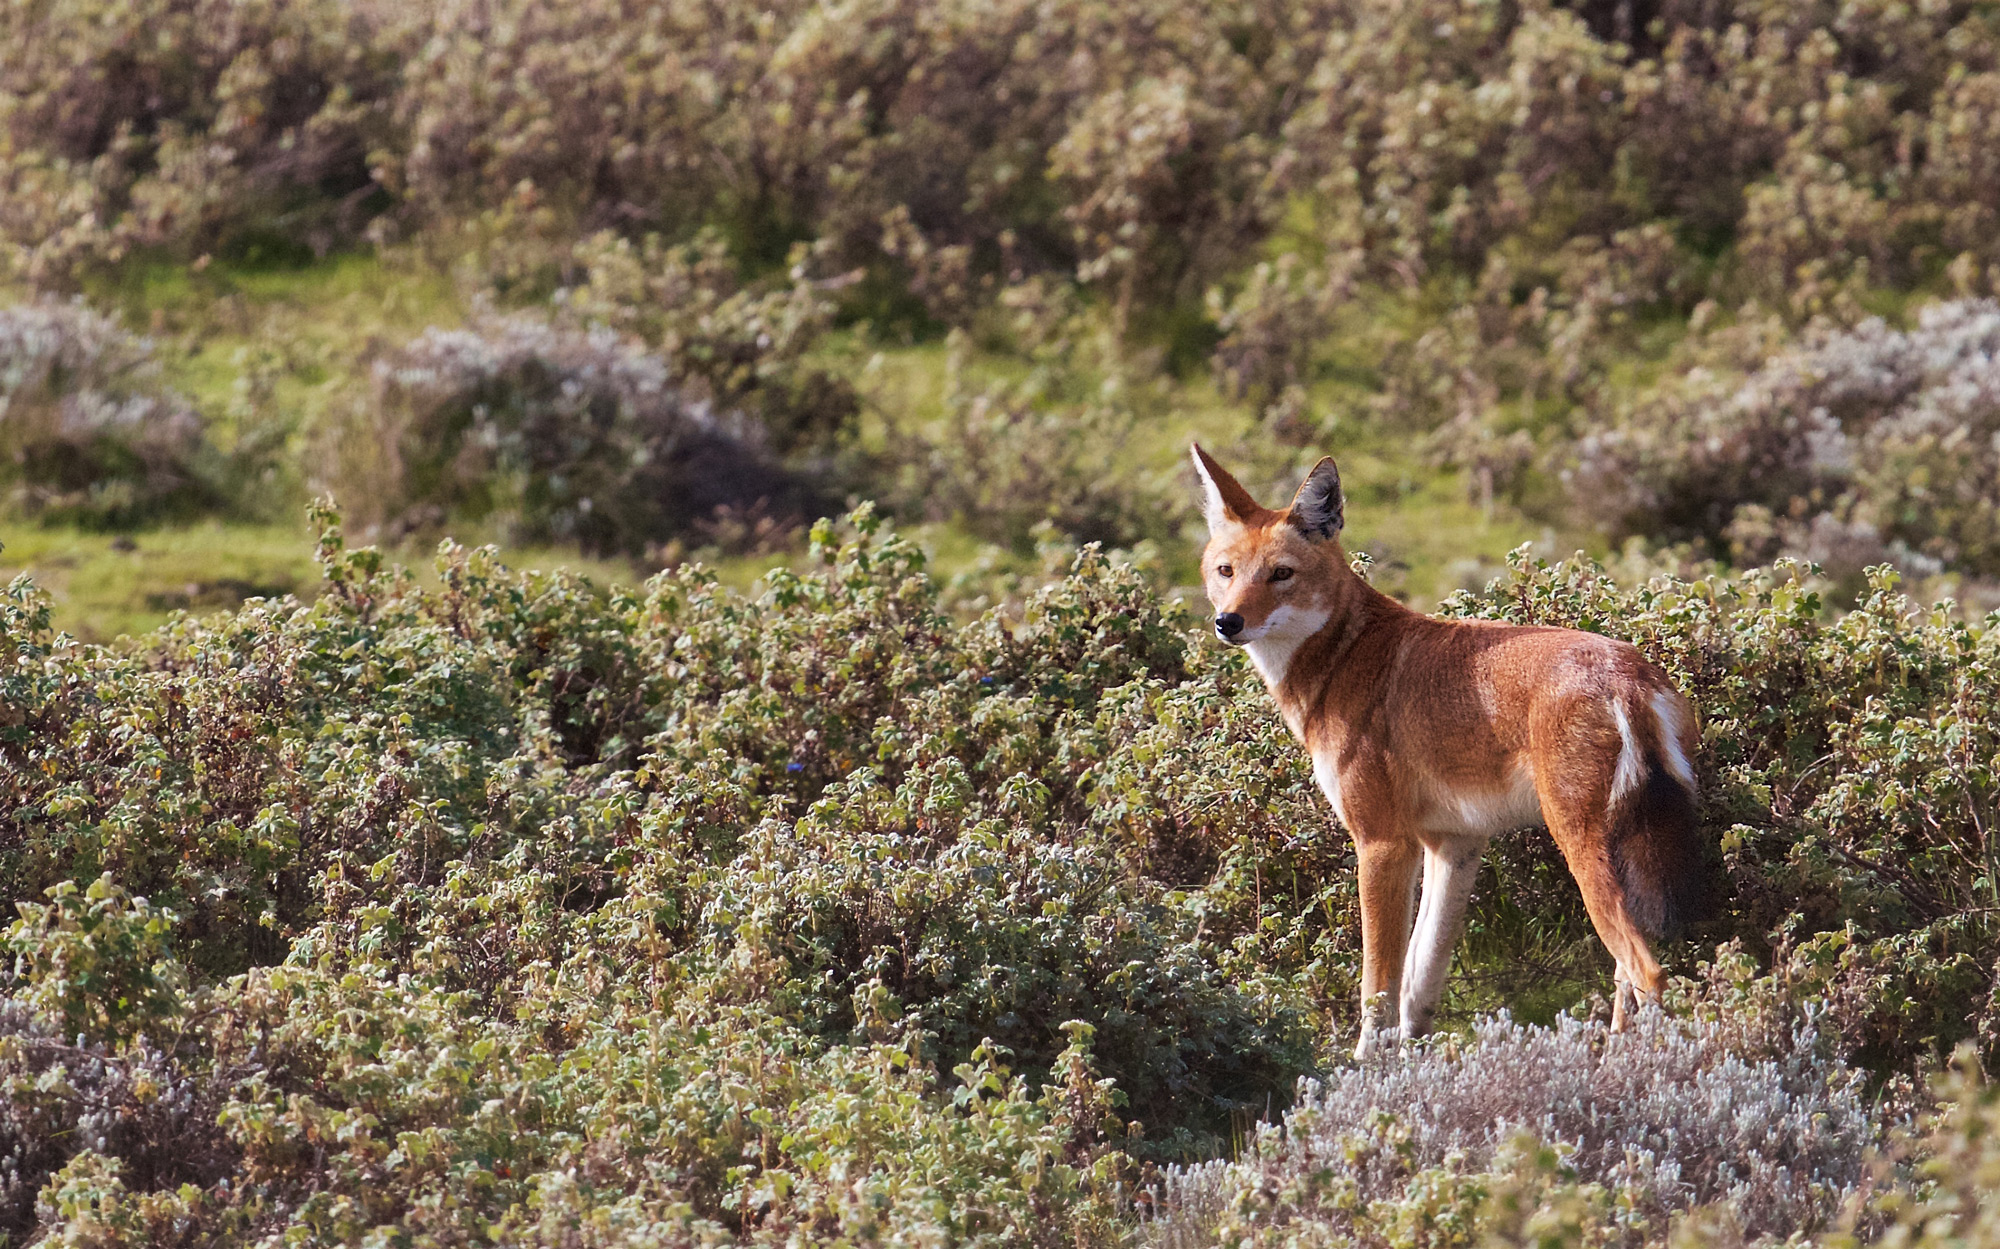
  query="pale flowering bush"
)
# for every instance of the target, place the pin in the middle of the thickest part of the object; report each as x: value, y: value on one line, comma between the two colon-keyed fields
x: 1673, y: 1115
x: 550, y: 433
x: 88, y: 429
x: 1872, y: 445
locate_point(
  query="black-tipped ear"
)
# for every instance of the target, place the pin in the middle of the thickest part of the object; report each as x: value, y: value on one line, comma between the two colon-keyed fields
x: 1320, y: 509
x: 1223, y: 499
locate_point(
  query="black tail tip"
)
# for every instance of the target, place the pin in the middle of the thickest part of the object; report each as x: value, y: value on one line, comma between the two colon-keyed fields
x: 1666, y: 867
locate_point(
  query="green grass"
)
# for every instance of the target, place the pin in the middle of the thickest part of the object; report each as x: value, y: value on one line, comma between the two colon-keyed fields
x: 304, y: 332
x: 262, y: 344
x: 105, y: 586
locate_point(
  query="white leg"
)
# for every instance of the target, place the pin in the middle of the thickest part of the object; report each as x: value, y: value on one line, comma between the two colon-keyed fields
x: 1450, y: 870
x: 1427, y: 907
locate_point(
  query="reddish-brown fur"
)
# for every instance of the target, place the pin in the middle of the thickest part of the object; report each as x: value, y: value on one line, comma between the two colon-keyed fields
x: 1429, y: 736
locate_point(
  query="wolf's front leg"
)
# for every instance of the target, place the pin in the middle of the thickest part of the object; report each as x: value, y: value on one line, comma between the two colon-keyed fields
x: 1451, y: 867
x: 1388, y: 871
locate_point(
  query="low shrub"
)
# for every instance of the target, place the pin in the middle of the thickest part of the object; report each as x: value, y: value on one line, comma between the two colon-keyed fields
x: 1674, y: 1115
x: 89, y: 432
x: 549, y: 433
x: 147, y: 1110
x: 514, y: 904
x: 827, y: 846
x: 1855, y: 448
x: 1272, y: 326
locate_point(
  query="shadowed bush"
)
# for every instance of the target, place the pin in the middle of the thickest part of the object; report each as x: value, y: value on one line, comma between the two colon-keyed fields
x: 551, y: 434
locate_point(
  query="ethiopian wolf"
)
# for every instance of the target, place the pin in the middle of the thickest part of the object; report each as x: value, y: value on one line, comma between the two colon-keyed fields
x: 1429, y: 736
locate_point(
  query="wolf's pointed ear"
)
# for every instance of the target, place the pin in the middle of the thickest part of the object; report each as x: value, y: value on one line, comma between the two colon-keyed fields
x: 1223, y: 501
x: 1320, y: 509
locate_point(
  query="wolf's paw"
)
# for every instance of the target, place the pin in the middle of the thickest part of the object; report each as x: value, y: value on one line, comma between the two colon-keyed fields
x: 1377, y: 1041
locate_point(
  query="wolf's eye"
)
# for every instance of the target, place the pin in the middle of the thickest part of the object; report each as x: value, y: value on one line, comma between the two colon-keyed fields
x: 1224, y: 570
x: 1281, y: 574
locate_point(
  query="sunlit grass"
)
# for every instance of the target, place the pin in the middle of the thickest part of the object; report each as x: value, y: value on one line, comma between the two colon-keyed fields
x: 305, y: 336
x: 104, y: 586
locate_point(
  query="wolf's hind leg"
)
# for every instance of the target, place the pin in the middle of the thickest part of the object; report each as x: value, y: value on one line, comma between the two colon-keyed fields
x: 1581, y: 835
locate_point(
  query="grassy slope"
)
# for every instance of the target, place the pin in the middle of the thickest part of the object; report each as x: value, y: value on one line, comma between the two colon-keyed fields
x: 299, y: 331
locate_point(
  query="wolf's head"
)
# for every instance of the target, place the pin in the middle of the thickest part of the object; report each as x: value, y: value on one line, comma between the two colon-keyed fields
x: 1272, y: 575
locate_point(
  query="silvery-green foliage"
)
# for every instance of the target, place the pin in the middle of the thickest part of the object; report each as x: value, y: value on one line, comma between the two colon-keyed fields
x: 553, y: 433
x: 1872, y: 445
x: 1272, y: 325
x: 791, y: 916
x: 1670, y: 1116
x: 88, y: 429
x: 511, y: 907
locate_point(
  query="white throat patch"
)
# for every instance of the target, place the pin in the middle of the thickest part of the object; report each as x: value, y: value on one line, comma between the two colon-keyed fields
x: 1284, y: 631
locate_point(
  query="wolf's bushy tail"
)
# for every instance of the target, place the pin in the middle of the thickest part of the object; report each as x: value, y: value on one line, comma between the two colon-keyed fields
x: 1663, y: 865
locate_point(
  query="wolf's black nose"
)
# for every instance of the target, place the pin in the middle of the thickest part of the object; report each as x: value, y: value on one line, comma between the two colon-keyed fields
x: 1228, y: 624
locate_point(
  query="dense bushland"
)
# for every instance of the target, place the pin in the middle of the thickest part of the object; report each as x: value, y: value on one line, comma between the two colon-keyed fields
x: 517, y: 909
x: 502, y: 908
x: 1480, y: 230
x: 1144, y: 147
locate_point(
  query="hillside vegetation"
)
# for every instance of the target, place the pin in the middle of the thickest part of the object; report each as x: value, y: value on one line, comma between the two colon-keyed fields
x: 508, y: 910
x: 838, y: 830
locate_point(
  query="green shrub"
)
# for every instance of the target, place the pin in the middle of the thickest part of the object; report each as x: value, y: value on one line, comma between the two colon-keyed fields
x: 736, y: 348
x: 806, y: 824
x: 96, y: 961
x: 1145, y: 148
x: 1045, y: 448
x: 189, y: 126
x: 514, y: 904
